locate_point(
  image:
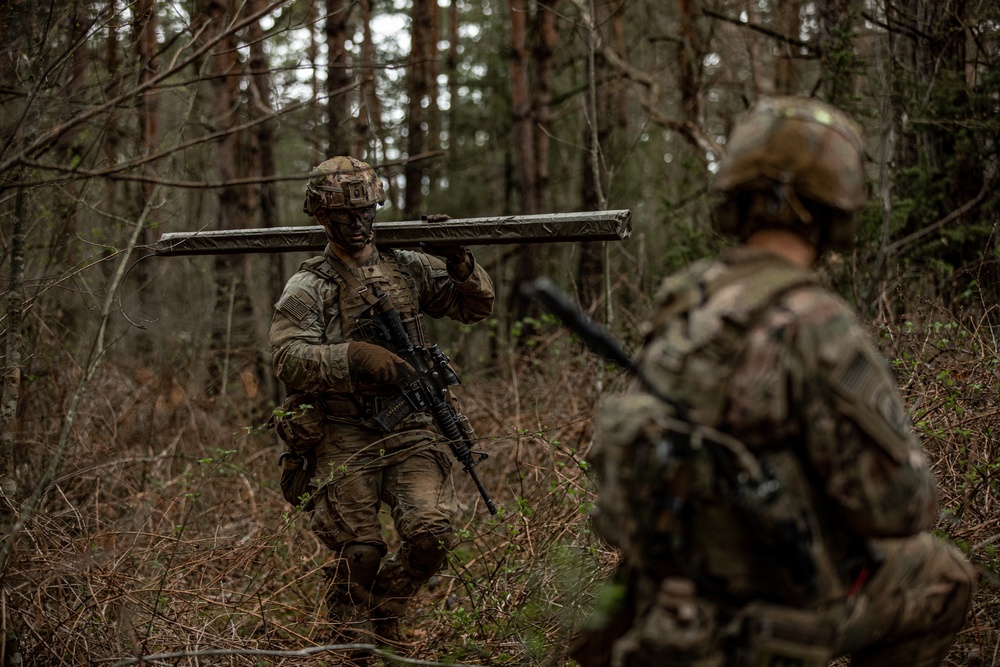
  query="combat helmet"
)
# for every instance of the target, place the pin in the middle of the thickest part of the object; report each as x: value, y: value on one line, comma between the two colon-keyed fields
x: 342, y: 182
x: 789, y: 159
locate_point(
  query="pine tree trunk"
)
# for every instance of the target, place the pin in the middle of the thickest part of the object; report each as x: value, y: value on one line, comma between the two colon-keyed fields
x: 590, y: 270
x: 312, y: 54
x: 8, y: 416
x: 261, y: 109
x: 419, y: 85
x: 233, y: 347
x: 147, y: 108
x: 338, y: 78
x: 367, y: 137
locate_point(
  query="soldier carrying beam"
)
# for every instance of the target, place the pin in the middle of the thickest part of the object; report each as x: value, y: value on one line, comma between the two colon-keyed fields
x: 369, y: 417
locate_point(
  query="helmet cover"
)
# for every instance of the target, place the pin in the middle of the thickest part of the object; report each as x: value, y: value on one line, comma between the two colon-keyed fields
x: 342, y: 182
x: 800, y: 150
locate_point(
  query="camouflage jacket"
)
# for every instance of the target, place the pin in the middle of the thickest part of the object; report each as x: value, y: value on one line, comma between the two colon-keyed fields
x: 763, y: 352
x: 309, y: 334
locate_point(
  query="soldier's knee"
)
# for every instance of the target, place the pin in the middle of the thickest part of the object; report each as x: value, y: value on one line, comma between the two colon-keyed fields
x: 359, y: 564
x: 425, y: 553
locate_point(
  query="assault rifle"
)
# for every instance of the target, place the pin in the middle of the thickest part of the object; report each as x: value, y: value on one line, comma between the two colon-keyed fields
x: 425, y: 389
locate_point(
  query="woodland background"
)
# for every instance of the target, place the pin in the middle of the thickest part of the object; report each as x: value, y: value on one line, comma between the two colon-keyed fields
x: 140, y: 507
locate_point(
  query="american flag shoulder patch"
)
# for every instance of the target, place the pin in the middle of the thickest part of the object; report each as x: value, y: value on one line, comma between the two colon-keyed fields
x: 297, y: 307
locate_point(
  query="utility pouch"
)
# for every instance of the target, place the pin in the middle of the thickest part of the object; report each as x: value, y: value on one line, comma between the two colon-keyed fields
x: 299, y: 422
x: 678, y: 624
x: 777, y: 636
x: 296, y: 476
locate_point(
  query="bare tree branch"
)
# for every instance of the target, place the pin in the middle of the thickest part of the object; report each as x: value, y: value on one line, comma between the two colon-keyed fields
x: 305, y: 652
x: 650, y: 102
x: 813, y: 49
x: 44, y: 142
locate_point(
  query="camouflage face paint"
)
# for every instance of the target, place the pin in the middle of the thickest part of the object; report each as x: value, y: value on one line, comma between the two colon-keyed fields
x: 351, y: 229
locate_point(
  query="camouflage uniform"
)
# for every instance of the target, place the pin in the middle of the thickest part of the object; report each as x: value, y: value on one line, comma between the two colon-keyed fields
x: 356, y: 464
x: 795, y: 514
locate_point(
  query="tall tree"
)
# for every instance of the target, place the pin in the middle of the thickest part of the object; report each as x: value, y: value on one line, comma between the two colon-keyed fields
x: 263, y: 164
x: 451, y: 72
x: 8, y: 417
x: 338, y: 78
x: 369, y: 122
x: 233, y: 346
x: 312, y: 55
x: 433, y: 124
x: 526, y: 161
x: 146, y: 52
x: 546, y: 38
x: 421, y: 83
x: 838, y: 51
x: 533, y: 39
x: 596, y: 132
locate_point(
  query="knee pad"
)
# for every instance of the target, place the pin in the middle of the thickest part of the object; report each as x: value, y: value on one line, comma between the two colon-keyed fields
x: 359, y: 564
x: 425, y: 553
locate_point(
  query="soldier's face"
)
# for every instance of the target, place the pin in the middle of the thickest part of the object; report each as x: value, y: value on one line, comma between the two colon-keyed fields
x: 351, y: 229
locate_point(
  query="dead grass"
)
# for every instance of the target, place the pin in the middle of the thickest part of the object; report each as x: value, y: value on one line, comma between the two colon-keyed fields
x: 166, y: 534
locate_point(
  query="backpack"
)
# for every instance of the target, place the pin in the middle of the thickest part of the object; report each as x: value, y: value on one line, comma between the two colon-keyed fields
x: 670, y: 484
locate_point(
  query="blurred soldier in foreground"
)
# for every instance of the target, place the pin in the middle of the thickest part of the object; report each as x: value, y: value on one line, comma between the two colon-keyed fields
x: 765, y: 487
x: 343, y: 459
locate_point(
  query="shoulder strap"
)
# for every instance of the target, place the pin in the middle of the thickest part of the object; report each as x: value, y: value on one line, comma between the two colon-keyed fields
x: 345, y: 274
x: 769, y: 282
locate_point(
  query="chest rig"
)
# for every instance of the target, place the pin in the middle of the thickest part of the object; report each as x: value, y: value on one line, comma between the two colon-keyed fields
x: 383, y: 278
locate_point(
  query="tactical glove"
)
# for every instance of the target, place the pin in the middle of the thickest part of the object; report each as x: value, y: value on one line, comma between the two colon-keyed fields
x: 373, y: 365
x: 458, y: 258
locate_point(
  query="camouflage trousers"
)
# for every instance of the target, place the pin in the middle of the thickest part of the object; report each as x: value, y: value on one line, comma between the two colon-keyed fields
x: 357, y: 471
x: 907, y: 614
x: 912, y: 609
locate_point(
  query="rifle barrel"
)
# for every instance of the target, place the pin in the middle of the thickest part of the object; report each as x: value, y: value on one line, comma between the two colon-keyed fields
x: 615, y: 225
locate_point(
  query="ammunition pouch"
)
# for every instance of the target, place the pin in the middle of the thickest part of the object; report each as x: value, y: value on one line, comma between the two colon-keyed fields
x: 299, y: 424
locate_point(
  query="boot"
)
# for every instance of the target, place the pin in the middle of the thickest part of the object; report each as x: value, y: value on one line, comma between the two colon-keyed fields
x: 349, y: 622
x: 395, y: 584
x: 348, y: 599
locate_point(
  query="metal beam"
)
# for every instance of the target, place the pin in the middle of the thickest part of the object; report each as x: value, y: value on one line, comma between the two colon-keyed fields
x: 541, y: 228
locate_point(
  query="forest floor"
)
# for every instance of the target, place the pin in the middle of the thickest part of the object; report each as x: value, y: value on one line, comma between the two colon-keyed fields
x: 165, y: 535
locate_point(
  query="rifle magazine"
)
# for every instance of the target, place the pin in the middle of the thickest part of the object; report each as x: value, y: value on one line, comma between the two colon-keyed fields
x: 395, y: 412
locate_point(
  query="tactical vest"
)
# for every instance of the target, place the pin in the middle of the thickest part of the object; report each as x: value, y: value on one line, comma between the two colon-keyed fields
x: 682, y: 498
x: 382, y: 278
